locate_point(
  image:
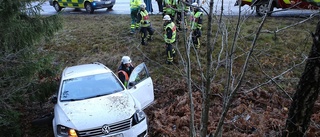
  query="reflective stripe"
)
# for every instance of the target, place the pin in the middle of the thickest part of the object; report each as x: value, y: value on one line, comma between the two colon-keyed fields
x: 287, y: 1
x: 125, y: 74
x: 172, y: 3
x: 135, y: 3
x: 126, y: 77
x: 73, y: 3
x: 247, y: 1
x: 145, y: 17
x: 174, y: 31
x: 194, y: 20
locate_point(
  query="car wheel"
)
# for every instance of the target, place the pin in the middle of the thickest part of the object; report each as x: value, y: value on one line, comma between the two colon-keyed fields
x: 263, y: 9
x: 57, y: 6
x: 43, y: 120
x: 109, y: 8
x: 89, y: 7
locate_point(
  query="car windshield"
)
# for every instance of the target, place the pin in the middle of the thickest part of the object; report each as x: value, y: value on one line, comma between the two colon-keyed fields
x: 89, y: 87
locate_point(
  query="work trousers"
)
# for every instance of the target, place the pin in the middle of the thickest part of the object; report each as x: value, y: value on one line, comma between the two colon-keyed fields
x: 170, y: 52
x: 148, y: 5
x: 160, y: 5
x: 179, y: 20
x: 196, y: 34
x: 134, y: 16
x: 146, y: 34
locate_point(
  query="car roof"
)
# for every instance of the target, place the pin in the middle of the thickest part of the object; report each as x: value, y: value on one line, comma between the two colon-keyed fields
x: 84, y: 70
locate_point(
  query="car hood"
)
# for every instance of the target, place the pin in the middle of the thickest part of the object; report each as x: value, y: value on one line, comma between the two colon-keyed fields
x: 97, y: 111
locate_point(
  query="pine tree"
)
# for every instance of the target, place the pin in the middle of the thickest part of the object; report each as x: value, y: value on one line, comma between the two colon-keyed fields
x: 21, y: 62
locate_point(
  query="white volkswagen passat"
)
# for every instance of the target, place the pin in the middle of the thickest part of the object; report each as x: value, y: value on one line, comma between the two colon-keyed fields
x: 92, y: 101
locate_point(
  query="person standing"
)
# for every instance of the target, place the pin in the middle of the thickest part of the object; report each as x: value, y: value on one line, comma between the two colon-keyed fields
x: 168, y: 8
x: 160, y: 6
x: 196, y: 24
x: 134, y: 9
x: 145, y: 25
x: 170, y: 31
x: 149, y: 6
x: 125, y: 69
x: 181, y: 9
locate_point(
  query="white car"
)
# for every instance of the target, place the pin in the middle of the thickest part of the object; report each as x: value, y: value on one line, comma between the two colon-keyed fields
x: 92, y: 101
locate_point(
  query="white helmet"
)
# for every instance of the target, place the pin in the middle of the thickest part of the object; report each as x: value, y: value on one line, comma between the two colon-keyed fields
x: 166, y: 17
x: 194, y: 4
x: 125, y: 60
x: 142, y: 5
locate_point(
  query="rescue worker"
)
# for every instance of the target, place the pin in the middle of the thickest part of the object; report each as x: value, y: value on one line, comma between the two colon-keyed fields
x: 168, y: 8
x: 179, y: 14
x: 145, y: 25
x: 196, y: 24
x: 170, y: 31
x: 125, y: 69
x: 134, y: 9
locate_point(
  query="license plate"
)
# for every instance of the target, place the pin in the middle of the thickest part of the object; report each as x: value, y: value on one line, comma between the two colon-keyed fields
x: 117, y: 135
x: 107, y: 2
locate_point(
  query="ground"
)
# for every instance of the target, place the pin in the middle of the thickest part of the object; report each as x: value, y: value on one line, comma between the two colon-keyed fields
x: 260, y: 112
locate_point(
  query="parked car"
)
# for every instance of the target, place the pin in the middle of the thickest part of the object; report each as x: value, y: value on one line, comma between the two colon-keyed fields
x: 89, y: 5
x: 262, y: 8
x: 92, y: 101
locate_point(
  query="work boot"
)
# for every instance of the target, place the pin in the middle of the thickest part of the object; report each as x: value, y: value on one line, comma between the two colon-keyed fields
x: 132, y: 31
x: 143, y: 43
x: 169, y: 62
x: 149, y: 38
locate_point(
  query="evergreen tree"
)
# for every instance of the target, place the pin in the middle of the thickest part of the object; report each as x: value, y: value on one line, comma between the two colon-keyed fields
x: 23, y: 66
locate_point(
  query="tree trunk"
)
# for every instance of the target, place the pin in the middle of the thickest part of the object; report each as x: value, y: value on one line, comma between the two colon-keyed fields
x: 205, y: 96
x: 307, y: 92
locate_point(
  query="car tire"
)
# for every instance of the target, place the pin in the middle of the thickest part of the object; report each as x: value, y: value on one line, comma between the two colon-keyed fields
x: 263, y: 9
x: 89, y: 7
x: 109, y: 8
x: 57, y: 6
x: 44, y: 120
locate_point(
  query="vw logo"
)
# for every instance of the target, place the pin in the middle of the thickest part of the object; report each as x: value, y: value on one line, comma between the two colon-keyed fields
x: 105, y: 129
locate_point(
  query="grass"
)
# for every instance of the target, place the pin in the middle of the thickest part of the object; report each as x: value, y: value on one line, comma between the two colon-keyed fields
x: 106, y: 38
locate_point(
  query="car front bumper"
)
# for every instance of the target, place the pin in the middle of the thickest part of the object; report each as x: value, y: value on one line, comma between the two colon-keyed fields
x: 138, y: 130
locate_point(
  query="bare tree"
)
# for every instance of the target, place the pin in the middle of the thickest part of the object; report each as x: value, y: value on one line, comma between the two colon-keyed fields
x: 306, y: 94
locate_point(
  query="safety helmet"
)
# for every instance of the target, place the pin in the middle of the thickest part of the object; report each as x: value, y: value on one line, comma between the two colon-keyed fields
x: 166, y: 17
x: 194, y: 4
x: 125, y: 60
x: 142, y: 5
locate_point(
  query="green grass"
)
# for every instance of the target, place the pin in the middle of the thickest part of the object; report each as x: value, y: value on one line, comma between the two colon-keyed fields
x: 91, y: 38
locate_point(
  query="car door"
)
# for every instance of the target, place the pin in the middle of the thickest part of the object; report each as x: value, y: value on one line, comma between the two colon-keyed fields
x: 141, y: 85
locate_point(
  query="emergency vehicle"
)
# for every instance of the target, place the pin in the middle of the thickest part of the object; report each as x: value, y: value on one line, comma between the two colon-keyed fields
x: 89, y: 5
x: 262, y: 8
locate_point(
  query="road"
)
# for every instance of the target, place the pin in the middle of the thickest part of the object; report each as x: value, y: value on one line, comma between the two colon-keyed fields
x: 122, y: 7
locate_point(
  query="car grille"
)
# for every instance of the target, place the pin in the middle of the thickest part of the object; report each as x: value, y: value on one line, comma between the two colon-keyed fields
x: 114, y: 128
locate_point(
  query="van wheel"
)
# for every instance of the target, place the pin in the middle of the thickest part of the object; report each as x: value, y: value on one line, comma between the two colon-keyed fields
x: 263, y: 9
x: 89, y: 7
x: 57, y: 6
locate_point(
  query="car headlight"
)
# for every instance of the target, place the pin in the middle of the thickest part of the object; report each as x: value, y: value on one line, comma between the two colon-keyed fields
x: 65, y: 131
x: 138, y: 117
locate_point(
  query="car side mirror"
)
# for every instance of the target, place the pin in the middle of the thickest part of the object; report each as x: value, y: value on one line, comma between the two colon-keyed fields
x: 131, y: 84
x: 54, y: 100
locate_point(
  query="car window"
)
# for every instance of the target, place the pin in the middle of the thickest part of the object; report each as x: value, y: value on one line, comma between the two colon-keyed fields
x: 89, y: 87
x: 139, y: 74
